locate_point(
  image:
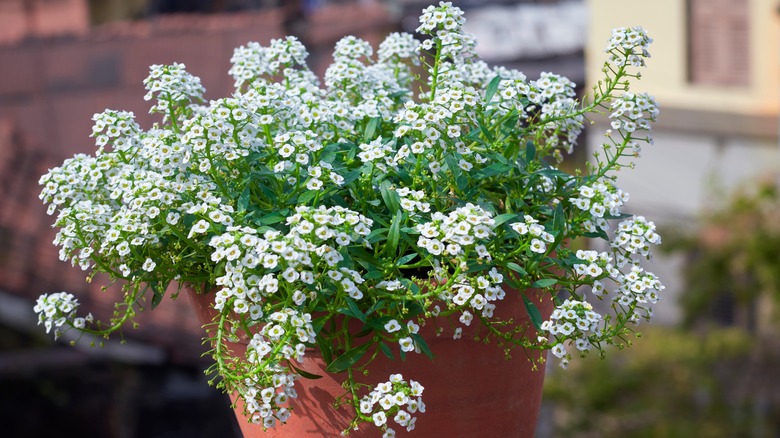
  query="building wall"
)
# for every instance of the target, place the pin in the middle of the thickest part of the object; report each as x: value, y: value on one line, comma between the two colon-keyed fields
x: 22, y: 19
x: 667, y: 75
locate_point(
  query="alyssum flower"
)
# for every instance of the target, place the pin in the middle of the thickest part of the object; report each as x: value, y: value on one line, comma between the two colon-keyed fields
x: 295, y: 202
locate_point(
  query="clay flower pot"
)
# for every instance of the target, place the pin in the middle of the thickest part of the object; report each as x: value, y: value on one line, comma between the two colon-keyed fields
x: 470, y: 388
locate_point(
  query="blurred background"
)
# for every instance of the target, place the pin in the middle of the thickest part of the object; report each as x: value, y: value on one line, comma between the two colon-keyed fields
x: 707, y: 368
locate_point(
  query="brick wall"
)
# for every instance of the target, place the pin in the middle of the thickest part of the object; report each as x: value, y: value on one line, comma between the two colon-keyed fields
x: 21, y: 19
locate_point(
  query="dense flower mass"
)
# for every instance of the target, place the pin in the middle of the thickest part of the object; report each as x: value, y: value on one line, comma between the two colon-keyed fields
x: 296, y: 203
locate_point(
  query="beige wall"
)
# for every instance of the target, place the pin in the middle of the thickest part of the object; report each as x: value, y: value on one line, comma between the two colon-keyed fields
x: 665, y: 77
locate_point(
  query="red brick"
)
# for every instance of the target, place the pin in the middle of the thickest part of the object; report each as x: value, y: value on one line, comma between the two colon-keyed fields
x: 29, y: 118
x: 19, y: 74
x: 59, y: 17
x: 203, y: 56
x: 13, y: 23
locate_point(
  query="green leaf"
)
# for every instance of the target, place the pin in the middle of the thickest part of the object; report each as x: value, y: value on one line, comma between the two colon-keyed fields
x: 306, y: 196
x: 158, y: 293
x: 462, y: 182
x: 473, y: 135
x: 365, y: 331
x: 271, y: 218
x: 486, y: 132
x: 267, y: 192
x: 363, y: 257
x: 512, y: 283
x: 530, y: 151
x: 386, y: 350
x: 351, y: 152
x: 355, y: 310
x: 511, y: 150
x: 379, y: 305
x: 452, y: 165
x: 346, y: 360
x: 371, y: 127
x: 405, y: 259
x: 390, y: 196
x: 492, y: 88
x: 373, y: 274
x: 375, y: 234
x: 533, y: 313
x: 510, y: 122
x: 475, y: 266
x: 319, y: 323
x: 517, y: 268
x: 349, y: 177
x: 420, y: 342
x: 494, y: 169
x: 325, y: 349
x: 501, y: 218
x: 544, y: 282
x: 243, y: 200
x: 394, y: 235
x: 303, y: 373
x: 599, y: 234
x: 617, y: 216
x: 559, y: 225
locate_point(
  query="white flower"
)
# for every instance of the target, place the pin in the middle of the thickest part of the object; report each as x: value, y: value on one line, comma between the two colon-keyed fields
x: 407, y: 344
x: 379, y: 418
x: 199, y: 227
x: 392, y: 326
x: 149, y: 265
x: 466, y: 318
x: 538, y: 246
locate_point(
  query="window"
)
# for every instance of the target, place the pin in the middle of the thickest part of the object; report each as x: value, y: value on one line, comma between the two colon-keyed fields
x: 719, y: 42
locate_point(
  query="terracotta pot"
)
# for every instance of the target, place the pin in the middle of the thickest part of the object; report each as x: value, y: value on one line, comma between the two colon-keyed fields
x: 471, y: 390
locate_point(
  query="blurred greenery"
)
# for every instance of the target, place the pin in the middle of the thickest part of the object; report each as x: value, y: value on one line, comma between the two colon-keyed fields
x: 670, y: 383
x: 734, y: 259
x: 716, y: 374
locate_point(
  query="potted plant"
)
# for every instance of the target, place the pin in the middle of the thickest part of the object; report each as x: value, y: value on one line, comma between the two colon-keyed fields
x: 345, y: 225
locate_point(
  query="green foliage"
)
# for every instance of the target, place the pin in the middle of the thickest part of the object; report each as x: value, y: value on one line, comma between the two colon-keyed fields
x: 672, y: 384
x: 735, y: 258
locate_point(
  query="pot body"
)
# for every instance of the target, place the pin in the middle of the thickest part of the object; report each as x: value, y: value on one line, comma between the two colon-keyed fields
x: 471, y: 389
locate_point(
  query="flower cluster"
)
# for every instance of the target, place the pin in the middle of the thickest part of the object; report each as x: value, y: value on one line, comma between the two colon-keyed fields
x: 457, y: 232
x: 628, y: 46
x: 572, y: 320
x: 307, y: 256
x: 55, y: 310
x: 254, y: 61
x: 537, y: 238
x: 171, y: 85
x: 601, y: 200
x: 635, y: 235
x: 633, y: 111
x: 284, y: 338
x: 638, y: 287
x: 395, y: 399
x: 265, y: 404
x: 339, y: 216
x: 477, y: 293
